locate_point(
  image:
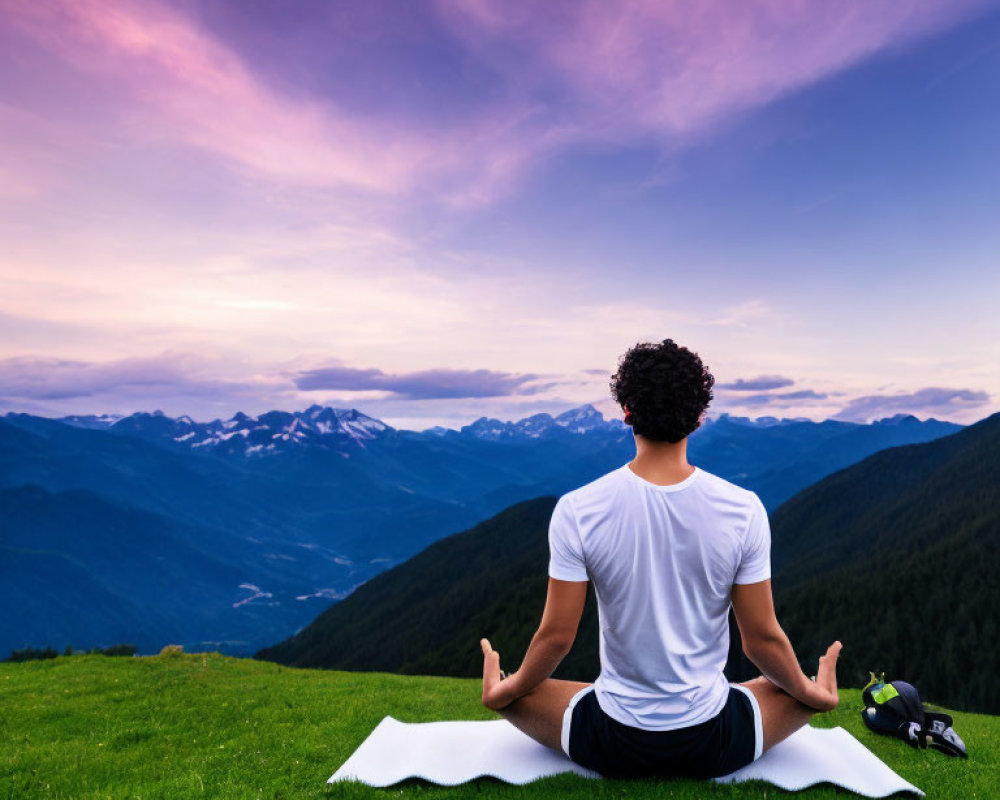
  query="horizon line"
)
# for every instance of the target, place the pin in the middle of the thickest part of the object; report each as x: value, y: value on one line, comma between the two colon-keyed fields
x: 112, y: 418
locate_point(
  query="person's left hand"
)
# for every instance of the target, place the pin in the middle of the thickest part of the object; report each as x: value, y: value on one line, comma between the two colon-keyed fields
x: 497, y: 687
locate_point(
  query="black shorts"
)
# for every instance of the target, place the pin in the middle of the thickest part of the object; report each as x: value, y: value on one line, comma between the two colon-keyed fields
x: 721, y: 745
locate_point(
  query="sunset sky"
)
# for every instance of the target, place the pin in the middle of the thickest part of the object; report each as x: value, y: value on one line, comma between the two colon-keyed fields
x: 434, y: 211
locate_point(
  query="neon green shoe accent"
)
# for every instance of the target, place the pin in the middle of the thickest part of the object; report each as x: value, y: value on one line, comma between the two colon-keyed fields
x: 887, y: 692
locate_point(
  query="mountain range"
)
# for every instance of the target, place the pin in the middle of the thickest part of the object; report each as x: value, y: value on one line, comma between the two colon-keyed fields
x: 287, y: 512
x: 774, y: 456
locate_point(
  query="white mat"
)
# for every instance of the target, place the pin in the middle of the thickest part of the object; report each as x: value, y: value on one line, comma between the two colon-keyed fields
x: 454, y: 752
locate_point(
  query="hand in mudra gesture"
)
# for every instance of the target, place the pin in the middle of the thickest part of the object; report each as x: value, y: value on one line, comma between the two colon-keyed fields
x: 823, y: 694
x: 497, y: 685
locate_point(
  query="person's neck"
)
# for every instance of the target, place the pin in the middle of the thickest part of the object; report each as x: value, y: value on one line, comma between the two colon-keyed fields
x: 661, y: 462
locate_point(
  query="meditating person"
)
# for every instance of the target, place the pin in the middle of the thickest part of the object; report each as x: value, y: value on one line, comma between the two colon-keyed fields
x: 669, y: 547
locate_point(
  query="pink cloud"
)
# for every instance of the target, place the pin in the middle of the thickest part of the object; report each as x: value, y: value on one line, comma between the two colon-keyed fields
x: 180, y: 83
x: 54, y: 379
x: 580, y: 72
x: 172, y: 82
x: 674, y: 67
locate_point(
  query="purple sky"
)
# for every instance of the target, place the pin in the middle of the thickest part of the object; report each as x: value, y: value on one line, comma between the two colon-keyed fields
x: 434, y: 211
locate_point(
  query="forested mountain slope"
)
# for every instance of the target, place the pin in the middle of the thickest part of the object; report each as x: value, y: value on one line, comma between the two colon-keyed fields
x: 899, y: 557
x: 896, y: 556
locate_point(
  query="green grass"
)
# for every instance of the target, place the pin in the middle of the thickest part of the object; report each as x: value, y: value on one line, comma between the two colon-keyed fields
x: 204, y: 725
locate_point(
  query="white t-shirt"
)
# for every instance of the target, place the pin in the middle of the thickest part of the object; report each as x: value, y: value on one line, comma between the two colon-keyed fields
x: 663, y: 560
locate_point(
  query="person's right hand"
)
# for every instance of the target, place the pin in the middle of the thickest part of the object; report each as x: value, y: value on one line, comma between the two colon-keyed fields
x: 497, y: 688
x: 822, y: 694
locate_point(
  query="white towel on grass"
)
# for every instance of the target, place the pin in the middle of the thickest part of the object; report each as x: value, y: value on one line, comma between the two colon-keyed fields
x: 454, y: 752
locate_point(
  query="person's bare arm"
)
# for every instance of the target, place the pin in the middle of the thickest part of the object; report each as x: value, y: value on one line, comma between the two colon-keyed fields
x: 767, y: 646
x: 549, y: 646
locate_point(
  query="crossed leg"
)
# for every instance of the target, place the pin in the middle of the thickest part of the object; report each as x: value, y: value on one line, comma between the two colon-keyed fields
x: 540, y: 712
x: 781, y: 714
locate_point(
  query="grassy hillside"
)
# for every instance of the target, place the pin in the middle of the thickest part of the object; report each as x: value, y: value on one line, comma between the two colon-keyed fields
x: 205, y: 725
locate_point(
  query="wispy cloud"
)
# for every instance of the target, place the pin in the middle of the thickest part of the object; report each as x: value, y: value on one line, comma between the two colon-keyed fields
x: 666, y: 69
x: 165, y: 375
x: 422, y: 385
x: 782, y: 399
x: 569, y: 73
x: 758, y: 384
x: 167, y: 72
x: 745, y: 314
x: 166, y: 81
x: 929, y: 400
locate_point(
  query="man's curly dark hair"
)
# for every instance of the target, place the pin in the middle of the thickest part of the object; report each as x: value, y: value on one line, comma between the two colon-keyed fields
x: 664, y: 388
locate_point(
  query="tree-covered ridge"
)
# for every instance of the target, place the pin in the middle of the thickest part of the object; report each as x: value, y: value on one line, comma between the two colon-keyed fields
x: 426, y: 615
x: 896, y: 556
x: 900, y: 555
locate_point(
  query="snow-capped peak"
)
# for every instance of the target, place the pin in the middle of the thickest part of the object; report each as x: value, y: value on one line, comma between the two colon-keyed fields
x: 897, y: 419
x: 581, y: 419
x: 98, y: 421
